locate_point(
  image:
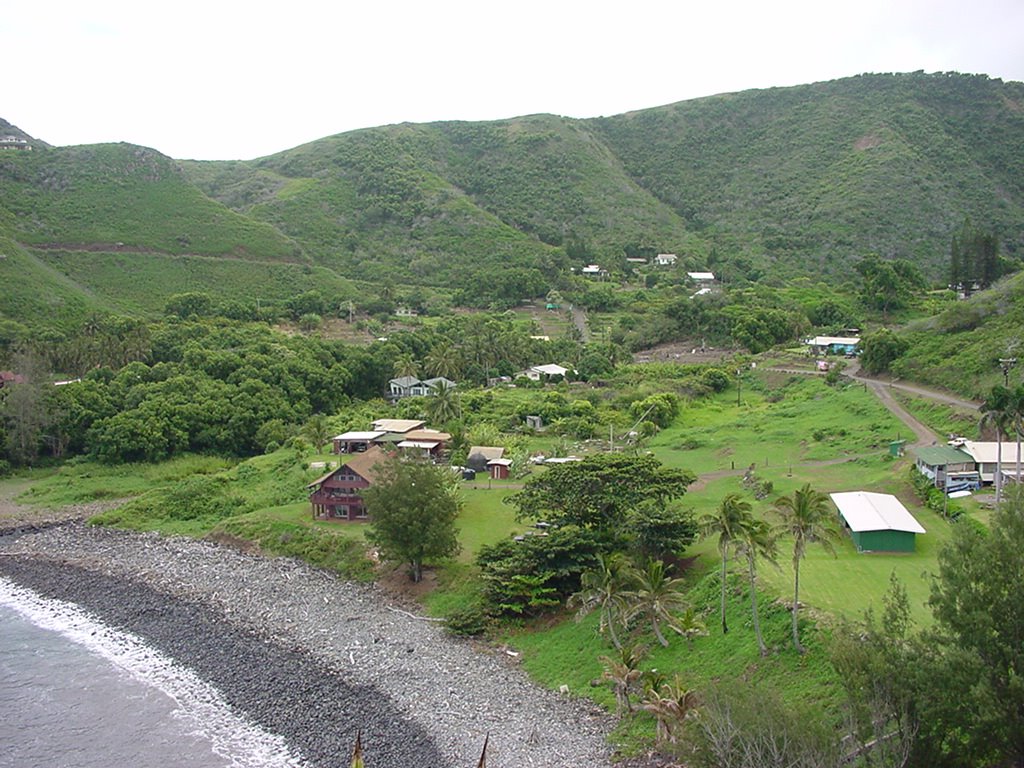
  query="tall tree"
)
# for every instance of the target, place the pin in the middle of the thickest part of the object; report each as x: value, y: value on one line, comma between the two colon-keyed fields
x: 756, y: 539
x: 979, y: 617
x: 998, y: 411
x: 413, y: 506
x: 806, y: 515
x: 727, y: 523
x: 443, y: 404
x: 24, y: 407
x: 599, y: 492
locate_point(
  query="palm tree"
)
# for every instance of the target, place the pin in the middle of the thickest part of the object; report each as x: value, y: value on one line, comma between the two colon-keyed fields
x: 657, y: 597
x: 604, y: 588
x: 690, y: 625
x: 443, y: 405
x: 806, y: 515
x: 756, y: 539
x: 623, y: 672
x: 997, y: 411
x: 318, y: 431
x: 405, y: 366
x: 671, y: 704
x: 443, y: 360
x: 726, y: 523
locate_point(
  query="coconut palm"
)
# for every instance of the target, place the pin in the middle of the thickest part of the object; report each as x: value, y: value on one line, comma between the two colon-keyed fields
x: 806, y: 515
x: 318, y: 431
x: 405, y: 365
x: 691, y: 625
x: 998, y: 411
x: 443, y: 405
x: 671, y: 704
x: 726, y: 523
x: 623, y: 672
x: 756, y: 539
x: 443, y: 360
x: 605, y: 588
x: 656, y: 598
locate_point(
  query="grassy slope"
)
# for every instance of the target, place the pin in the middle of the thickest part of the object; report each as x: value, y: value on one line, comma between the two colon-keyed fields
x: 141, y: 283
x: 960, y: 348
x: 35, y: 293
x: 811, y: 174
x: 119, y: 193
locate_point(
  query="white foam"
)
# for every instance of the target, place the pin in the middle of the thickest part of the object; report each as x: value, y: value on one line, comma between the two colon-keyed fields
x: 200, y: 706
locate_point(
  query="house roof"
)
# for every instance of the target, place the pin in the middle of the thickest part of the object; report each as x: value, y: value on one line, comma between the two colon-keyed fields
x: 988, y: 453
x: 550, y: 369
x: 428, y: 434
x: 427, y: 444
x: 405, y: 381
x: 432, y: 383
x: 701, y: 275
x: 500, y: 462
x: 367, y: 463
x: 397, y: 425
x: 824, y: 341
x: 364, y: 464
x: 940, y: 455
x: 358, y: 436
x: 864, y: 511
x: 487, y: 451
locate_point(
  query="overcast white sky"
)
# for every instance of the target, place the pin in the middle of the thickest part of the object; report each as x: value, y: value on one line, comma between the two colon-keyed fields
x: 221, y: 80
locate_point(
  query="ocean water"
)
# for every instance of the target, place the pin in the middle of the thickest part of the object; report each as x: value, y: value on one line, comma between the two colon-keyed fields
x: 75, y: 693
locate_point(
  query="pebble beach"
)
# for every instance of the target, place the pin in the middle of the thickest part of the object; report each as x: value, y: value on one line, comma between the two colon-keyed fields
x: 307, y: 655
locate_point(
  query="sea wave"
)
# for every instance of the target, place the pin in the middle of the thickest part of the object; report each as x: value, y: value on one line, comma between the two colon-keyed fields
x: 198, y: 705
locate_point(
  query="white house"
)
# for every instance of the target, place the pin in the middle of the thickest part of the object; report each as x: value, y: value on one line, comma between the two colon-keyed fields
x: 540, y: 372
x: 701, y: 277
x: 665, y: 259
x: 986, y: 455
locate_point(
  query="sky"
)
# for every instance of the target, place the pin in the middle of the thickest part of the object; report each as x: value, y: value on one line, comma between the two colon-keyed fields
x: 226, y: 80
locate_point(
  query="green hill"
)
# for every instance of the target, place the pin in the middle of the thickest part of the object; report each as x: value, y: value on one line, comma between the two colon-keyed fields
x: 762, y: 185
x: 123, y: 196
x: 808, y: 177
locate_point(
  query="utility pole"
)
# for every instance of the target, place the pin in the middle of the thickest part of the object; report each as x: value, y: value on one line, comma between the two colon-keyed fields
x: 739, y: 386
x: 1007, y: 364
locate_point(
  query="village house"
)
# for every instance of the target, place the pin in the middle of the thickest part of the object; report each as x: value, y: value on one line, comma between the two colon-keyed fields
x: 665, y: 260
x: 833, y: 345
x: 594, y: 270
x: 701, y: 278
x: 946, y: 465
x: 355, y: 442
x: 424, y: 443
x: 338, y: 494
x: 410, y: 386
x: 544, y: 372
x: 986, y: 456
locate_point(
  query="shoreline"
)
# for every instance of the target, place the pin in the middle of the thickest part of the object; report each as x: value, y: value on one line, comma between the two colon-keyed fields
x: 307, y: 655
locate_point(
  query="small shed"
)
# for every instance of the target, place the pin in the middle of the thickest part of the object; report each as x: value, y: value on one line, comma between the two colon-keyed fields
x: 878, y: 522
x: 499, y: 468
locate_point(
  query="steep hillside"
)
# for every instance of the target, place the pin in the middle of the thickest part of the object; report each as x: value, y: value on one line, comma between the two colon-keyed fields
x: 804, y: 178
x: 127, y: 197
x: 428, y: 202
x: 960, y: 348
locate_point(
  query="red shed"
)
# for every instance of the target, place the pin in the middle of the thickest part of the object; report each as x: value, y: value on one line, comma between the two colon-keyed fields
x: 499, y: 468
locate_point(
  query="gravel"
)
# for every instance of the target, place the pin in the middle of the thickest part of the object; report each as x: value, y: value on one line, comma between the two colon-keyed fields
x: 309, y: 656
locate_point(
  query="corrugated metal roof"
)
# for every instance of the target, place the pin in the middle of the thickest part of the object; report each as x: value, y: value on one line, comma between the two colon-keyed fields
x: 864, y: 511
x: 988, y: 453
x: 940, y: 455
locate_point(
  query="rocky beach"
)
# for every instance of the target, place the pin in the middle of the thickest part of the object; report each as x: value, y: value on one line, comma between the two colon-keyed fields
x: 306, y: 655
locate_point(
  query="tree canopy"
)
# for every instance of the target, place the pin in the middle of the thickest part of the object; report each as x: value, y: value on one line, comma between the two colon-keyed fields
x: 600, y: 491
x: 413, y: 506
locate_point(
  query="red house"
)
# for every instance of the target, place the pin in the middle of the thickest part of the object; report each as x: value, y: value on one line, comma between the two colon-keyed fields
x: 338, y: 494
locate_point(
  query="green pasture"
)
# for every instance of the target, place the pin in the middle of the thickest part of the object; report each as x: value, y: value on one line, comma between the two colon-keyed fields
x: 801, y: 419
